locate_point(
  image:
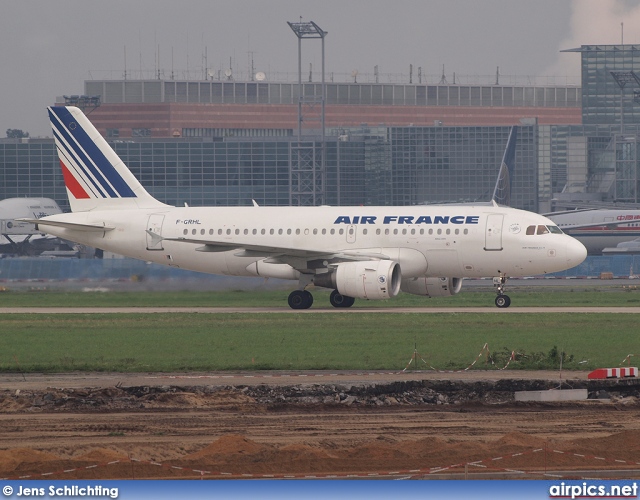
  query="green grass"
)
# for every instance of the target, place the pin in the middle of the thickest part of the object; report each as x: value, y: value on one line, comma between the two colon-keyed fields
x: 521, y: 295
x: 207, y: 342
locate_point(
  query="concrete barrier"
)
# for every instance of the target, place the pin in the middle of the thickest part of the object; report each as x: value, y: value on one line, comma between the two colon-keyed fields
x: 553, y: 395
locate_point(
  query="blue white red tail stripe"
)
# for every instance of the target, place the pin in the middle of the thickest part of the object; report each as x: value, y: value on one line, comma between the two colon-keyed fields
x: 74, y: 167
x: 84, y: 159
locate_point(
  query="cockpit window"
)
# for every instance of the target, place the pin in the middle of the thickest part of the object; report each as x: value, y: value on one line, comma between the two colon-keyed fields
x: 540, y: 229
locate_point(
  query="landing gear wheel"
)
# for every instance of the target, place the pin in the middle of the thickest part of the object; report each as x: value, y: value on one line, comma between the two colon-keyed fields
x: 499, y: 283
x: 503, y: 301
x: 339, y: 300
x: 300, y: 299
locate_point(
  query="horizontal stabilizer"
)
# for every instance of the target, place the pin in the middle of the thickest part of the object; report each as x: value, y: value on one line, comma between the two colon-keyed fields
x: 76, y: 226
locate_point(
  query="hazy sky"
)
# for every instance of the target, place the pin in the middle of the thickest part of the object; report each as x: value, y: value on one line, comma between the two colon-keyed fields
x: 49, y: 48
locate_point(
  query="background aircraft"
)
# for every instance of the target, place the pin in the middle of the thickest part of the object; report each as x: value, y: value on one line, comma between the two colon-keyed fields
x: 602, y: 231
x: 18, y: 237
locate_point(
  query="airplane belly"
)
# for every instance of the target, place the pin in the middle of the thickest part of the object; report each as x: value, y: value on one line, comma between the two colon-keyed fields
x: 202, y: 262
x: 444, y: 262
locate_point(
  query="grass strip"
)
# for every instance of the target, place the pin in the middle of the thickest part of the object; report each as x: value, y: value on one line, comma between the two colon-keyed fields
x: 384, y: 341
x: 522, y: 296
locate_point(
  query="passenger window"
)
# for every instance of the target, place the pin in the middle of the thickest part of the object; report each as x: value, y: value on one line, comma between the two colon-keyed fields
x: 246, y: 231
x: 263, y: 231
x: 430, y: 231
x: 333, y: 231
x: 341, y: 231
x: 219, y: 231
x: 542, y: 229
x: 186, y: 231
x: 315, y: 231
x: 531, y: 230
x: 279, y: 231
x: 466, y: 231
x: 193, y: 231
x: 364, y: 231
x: 386, y: 231
x: 324, y: 231
x: 271, y: 231
x: 378, y: 232
x: 288, y: 231
x: 237, y: 231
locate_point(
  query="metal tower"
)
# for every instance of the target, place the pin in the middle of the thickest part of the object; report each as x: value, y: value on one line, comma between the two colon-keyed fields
x: 307, y: 173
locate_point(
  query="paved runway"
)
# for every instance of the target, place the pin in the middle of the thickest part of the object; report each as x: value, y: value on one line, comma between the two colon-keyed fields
x: 320, y: 310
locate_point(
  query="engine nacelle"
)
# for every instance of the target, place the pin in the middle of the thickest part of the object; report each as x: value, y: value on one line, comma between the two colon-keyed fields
x: 432, y: 287
x: 371, y: 280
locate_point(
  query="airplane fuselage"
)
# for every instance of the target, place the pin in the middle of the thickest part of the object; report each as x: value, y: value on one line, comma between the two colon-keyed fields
x: 438, y: 241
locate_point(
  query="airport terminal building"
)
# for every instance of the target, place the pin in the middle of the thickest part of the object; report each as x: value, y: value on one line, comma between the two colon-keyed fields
x: 228, y: 142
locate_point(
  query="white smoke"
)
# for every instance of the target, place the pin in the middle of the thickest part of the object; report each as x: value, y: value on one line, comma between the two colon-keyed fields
x: 595, y: 22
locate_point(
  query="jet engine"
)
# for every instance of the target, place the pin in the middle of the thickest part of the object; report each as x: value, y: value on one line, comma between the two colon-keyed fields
x: 432, y: 287
x: 372, y: 280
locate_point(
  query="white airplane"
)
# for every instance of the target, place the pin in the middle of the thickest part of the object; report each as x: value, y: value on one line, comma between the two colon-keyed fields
x: 19, y: 237
x: 602, y: 231
x: 360, y: 252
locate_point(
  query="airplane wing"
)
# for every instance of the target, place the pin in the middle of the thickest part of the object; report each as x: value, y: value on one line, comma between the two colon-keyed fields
x: 297, y: 258
x: 69, y: 225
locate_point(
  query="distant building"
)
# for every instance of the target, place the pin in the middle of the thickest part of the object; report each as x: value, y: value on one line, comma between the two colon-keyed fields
x: 227, y: 142
x: 160, y: 108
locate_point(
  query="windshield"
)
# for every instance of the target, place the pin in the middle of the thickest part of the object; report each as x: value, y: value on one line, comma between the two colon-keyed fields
x: 541, y: 229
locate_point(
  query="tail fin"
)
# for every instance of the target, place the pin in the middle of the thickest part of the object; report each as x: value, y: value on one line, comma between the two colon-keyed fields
x: 95, y: 177
x: 502, y: 191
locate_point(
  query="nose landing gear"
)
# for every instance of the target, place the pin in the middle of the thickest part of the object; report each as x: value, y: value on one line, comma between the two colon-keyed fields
x: 502, y: 300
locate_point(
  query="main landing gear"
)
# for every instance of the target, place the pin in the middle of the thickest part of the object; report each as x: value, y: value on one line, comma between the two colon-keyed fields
x: 502, y: 300
x: 339, y: 300
x: 302, y: 299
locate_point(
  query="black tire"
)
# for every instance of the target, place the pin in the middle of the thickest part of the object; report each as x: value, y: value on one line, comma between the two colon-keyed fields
x: 308, y: 299
x: 300, y: 299
x: 503, y: 301
x: 339, y: 300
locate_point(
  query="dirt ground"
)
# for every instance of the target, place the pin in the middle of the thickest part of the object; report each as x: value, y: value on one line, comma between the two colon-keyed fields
x: 339, y: 426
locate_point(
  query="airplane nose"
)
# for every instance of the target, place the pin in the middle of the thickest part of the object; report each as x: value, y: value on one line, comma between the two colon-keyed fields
x: 576, y: 252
